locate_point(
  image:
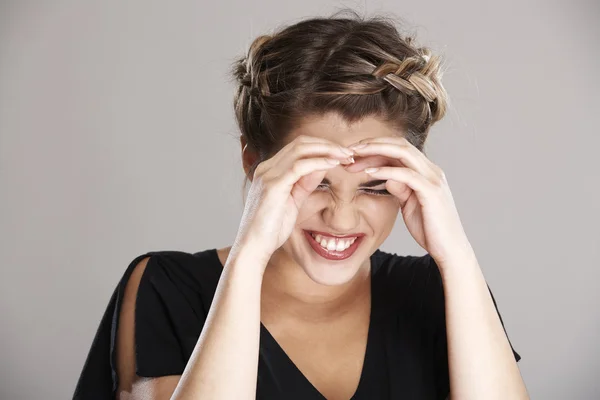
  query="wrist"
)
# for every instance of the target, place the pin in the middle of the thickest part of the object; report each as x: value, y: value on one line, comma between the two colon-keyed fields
x: 458, y: 264
x: 249, y: 256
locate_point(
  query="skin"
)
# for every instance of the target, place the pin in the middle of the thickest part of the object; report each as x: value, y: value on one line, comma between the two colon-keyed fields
x: 312, y: 286
x: 304, y: 299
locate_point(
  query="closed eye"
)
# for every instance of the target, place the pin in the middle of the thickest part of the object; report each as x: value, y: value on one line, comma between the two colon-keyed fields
x: 375, y: 192
x: 382, y: 192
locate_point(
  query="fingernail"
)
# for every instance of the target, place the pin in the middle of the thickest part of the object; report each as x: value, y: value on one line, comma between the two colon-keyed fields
x: 357, y: 146
x: 347, y: 151
x: 371, y: 170
x: 333, y: 161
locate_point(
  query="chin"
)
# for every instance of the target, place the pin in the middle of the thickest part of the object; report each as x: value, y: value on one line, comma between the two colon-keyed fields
x: 325, y: 264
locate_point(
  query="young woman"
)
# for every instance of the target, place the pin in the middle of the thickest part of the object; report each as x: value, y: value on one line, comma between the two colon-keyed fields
x: 333, y: 113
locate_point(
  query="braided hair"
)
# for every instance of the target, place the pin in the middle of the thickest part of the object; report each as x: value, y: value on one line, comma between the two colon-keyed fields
x: 351, y: 65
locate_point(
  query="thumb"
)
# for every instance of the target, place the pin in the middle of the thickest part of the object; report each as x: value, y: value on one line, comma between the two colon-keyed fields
x: 401, y: 190
x: 305, y: 186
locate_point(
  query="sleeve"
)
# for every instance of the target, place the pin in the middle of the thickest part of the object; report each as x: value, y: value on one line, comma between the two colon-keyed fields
x: 169, y: 316
x: 441, y: 367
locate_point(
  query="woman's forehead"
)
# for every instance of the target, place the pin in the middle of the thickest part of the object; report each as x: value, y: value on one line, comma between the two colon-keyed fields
x: 333, y: 127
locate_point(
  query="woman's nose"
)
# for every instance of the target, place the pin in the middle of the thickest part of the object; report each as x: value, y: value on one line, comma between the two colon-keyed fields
x: 341, y: 216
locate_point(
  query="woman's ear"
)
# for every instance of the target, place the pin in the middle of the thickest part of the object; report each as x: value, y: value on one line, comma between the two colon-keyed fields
x: 249, y: 157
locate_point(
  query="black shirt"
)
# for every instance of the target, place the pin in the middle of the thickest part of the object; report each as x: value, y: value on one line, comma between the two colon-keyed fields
x: 406, y: 355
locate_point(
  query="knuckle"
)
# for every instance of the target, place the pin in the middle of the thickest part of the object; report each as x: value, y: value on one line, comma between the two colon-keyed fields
x: 296, y: 167
x: 408, y: 145
x: 440, y: 174
x: 259, y: 170
x: 300, y: 139
x: 299, y: 147
x: 438, y: 183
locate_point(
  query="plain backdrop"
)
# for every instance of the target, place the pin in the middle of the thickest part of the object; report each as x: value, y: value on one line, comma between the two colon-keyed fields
x: 117, y: 137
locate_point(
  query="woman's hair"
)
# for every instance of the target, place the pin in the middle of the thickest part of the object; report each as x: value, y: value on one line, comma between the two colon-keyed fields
x: 354, y: 66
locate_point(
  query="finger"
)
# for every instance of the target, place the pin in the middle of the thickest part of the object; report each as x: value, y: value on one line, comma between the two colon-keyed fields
x: 360, y: 163
x: 401, y: 190
x: 417, y: 182
x: 399, y: 152
x: 303, y: 150
x: 303, y: 140
x: 282, y: 162
x: 395, y: 139
x: 304, y: 177
x: 304, y: 167
x: 306, y: 185
x: 286, y: 148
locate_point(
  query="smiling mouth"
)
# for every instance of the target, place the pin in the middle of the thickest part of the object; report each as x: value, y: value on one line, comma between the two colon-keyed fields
x: 333, y: 248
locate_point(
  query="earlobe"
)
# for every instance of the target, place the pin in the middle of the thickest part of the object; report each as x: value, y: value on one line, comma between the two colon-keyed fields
x: 248, y: 158
x: 246, y: 163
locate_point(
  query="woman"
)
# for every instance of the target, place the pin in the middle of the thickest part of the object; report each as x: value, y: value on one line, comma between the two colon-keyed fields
x: 333, y: 114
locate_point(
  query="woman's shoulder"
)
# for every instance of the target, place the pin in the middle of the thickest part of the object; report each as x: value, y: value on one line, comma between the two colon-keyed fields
x: 161, y: 305
x: 185, y: 259
x: 156, y: 312
x: 407, y: 281
x: 170, y: 271
x: 179, y: 284
x: 395, y: 267
x: 207, y: 260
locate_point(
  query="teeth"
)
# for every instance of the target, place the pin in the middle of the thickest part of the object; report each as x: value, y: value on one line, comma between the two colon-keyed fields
x: 332, y: 244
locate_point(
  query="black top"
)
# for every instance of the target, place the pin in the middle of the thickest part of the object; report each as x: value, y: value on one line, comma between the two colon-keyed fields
x: 406, y: 355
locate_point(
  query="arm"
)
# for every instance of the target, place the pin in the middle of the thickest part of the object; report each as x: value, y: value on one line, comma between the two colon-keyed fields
x: 224, y: 363
x: 480, y: 359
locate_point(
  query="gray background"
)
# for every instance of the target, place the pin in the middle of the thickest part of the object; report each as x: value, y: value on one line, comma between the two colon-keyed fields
x: 117, y: 137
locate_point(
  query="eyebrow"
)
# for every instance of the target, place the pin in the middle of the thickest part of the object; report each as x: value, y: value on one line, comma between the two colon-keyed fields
x: 368, y: 184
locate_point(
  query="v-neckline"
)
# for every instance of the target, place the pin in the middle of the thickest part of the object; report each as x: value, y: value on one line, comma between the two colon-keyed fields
x: 368, y: 348
x: 366, y: 357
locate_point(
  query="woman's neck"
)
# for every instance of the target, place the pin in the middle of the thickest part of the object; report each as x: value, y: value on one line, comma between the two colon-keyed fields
x: 288, y: 291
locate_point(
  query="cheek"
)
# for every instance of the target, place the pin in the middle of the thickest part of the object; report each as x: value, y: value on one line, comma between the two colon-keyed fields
x: 380, y: 204
x: 380, y: 211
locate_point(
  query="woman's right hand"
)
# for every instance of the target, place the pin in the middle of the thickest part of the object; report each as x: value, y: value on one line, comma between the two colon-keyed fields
x: 280, y: 186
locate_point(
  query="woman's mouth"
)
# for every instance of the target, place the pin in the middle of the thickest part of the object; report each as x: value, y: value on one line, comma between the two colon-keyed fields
x: 333, y: 248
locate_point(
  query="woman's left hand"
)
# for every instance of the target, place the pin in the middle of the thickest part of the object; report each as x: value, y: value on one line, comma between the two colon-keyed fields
x: 426, y: 202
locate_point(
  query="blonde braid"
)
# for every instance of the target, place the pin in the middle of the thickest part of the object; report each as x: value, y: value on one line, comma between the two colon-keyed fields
x: 416, y: 75
x: 398, y: 75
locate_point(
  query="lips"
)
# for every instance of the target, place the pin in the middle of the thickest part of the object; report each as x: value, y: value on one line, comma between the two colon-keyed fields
x: 333, y: 255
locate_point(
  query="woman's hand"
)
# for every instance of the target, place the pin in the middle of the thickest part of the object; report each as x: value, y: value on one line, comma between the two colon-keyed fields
x: 426, y: 202
x: 280, y: 186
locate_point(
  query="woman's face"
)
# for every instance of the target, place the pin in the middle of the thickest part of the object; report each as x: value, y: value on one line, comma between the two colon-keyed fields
x: 345, y: 204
